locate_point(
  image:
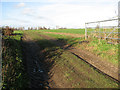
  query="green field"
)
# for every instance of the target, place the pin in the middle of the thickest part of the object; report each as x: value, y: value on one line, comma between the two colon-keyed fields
x: 73, y: 31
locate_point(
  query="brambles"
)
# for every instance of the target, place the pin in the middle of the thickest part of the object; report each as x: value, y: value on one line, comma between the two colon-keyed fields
x: 13, y: 69
x: 7, y: 30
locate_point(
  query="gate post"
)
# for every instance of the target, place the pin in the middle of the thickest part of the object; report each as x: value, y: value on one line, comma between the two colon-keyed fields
x: 119, y: 22
x: 118, y: 42
x: 1, y: 48
x: 85, y: 31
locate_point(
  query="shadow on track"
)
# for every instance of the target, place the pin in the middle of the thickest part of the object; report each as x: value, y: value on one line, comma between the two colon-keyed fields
x: 40, y: 57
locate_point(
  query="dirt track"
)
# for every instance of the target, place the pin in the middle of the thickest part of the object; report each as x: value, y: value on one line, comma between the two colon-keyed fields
x: 39, y: 72
x: 36, y: 71
x: 104, y: 66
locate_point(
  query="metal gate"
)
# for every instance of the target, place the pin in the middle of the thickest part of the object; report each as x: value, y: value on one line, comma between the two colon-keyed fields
x: 99, y: 29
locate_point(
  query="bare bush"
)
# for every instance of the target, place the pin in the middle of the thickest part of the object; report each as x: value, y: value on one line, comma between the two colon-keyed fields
x: 7, y: 30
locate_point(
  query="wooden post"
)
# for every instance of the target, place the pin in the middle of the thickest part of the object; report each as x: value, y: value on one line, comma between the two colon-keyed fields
x: 99, y: 29
x: 85, y: 31
x: 1, y: 59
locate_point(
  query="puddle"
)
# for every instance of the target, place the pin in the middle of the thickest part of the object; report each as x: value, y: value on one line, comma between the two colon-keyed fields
x: 38, y: 68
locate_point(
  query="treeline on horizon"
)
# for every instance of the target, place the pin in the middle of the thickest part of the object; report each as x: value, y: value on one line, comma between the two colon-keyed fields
x: 7, y: 30
x: 30, y: 28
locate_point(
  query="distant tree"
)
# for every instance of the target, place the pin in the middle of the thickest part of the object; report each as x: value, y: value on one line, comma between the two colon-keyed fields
x: 31, y: 28
x: 28, y: 28
x: 49, y: 28
x: 7, y: 30
x: 57, y: 27
x: 0, y: 29
x: 21, y: 28
x: 44, y: 28
x: 97, y: 27
x: 40, y: 28
x: 62, y: 28
x: 35, y: 28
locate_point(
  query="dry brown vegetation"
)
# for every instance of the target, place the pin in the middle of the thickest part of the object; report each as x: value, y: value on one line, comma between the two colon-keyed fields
x: 7, y: 30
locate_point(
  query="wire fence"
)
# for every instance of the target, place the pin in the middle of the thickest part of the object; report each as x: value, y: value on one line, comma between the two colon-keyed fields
x: 105, y: 29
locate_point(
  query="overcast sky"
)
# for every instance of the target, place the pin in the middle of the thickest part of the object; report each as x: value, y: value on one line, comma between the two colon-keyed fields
x: 51, y: 13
